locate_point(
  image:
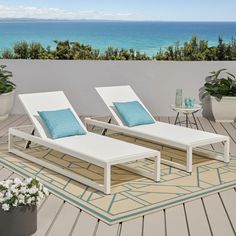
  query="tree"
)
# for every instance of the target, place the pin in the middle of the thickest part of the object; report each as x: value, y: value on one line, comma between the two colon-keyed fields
x: 21, y: 50
x: 193, y: 50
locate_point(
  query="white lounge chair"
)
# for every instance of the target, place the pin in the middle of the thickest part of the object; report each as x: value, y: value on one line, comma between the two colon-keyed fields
x: 159, y: 132
x: 96, y: 149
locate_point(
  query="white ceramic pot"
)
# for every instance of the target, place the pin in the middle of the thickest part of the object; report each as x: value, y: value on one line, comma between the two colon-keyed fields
x: 6, y: 104
x: 224, y: 110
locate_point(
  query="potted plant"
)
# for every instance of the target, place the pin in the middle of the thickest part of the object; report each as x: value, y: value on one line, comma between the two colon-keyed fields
x: 18, y: 206
x: 6, y: 92
x: 220, y: 87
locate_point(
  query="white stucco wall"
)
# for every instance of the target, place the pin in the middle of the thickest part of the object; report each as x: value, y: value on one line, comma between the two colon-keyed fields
x: 154, y: 81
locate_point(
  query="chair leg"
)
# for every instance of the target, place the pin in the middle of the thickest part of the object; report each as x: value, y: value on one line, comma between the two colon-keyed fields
x: 10, y: 141
x: 226, y: 151
x: 157, y: 168
x: 105, y: 130
x: 107, y: 179
x: 189, y: 159
x: 27, y: 145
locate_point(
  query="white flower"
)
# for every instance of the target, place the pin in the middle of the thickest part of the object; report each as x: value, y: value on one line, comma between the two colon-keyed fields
x: 28, y: 180
x: 38, y: 201
x: 33, y: 190
x: 6, y: 207
x: 46, y: 192
x: 15, y: 190
x: 23, y: 189
x: 8, y: 195
x: 29, y: 200
x: 41, y: 195
x: 17, y: 181
x: 7, y: 183
x: 15, y: 204
x: 26, y: 192
x: 21, y: 199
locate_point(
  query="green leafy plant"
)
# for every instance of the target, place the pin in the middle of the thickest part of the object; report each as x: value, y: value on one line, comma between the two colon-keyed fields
x: 220, y: 83
x: 6, y: 85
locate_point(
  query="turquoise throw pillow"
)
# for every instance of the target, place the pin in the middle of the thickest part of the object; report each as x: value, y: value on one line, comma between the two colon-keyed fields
x: 133, y: 113
x: 61, y: 123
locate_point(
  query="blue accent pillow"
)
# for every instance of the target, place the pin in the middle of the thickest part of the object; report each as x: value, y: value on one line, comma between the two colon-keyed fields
x: 61, y: 123
x: 133, y: 113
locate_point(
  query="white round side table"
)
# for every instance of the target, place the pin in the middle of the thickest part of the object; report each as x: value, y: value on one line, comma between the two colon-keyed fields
x: 186, y: 112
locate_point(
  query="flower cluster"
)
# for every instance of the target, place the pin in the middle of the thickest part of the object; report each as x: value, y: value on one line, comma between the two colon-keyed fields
x: 14, y: 193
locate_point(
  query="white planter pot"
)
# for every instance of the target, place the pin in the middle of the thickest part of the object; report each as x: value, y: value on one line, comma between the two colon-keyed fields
x: 224, y: 110
x: 6, y: 104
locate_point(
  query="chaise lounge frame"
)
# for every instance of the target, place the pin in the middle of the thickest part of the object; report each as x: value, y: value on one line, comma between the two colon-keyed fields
x: 126, y: 93
x: 23, y: 133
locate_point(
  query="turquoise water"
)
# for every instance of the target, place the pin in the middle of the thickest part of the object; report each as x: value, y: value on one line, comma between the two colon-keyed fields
x: 146, y: 37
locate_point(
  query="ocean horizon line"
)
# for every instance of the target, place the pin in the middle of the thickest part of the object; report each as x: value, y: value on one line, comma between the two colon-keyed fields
x: 26, y: 19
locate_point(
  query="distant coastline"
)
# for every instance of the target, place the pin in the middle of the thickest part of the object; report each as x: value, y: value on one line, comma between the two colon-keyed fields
x: 15, y: 20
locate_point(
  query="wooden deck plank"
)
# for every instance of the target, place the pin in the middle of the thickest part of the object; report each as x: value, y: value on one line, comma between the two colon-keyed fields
x: 17, y: 122
x: 47, y: 214
x: 132, y: 227
x: 5, y: 174
x: 86, y: 225
x: 53, y: 214
x: 229, y: 200
x: 154, y: 224
x: 220, y: 130
x: 176, y: 221
x: 107, y: 230
x: 15, y: 175
x: 8, y: 123
x: 196, y: 217
x: 64, y: 221
x: 208, y: 127
x: 218, y: 219
x: 234, y: 125
x: 230, y: 129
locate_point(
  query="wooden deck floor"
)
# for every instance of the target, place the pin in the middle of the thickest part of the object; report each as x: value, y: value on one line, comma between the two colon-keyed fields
x: 212, y: 215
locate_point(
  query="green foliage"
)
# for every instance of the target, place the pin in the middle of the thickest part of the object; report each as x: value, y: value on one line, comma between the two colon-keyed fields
x: 123, y: 54
x: 199, y: 50
x: 6, y: 86
x: 8, y: 54
x: 192, y: 50
x: 219, y: 85
x: 35, y: 51
x: 21, y: 50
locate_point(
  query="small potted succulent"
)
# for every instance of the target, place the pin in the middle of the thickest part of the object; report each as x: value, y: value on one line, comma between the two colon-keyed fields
x: 7, y: 89
x: 220, y: 88
x: 18, y: 206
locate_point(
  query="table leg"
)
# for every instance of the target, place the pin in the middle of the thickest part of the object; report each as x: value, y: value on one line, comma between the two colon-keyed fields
x: 176, y: 118
x: 186, y: 120
x: 195, y: 120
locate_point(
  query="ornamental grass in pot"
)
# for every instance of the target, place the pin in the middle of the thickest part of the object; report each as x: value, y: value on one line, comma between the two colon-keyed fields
x: 220, y: 91
x: 18, y: 206
x: 7, y: 90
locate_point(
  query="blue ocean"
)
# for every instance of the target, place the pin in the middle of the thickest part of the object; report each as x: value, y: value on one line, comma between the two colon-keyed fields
x: 146, y: 37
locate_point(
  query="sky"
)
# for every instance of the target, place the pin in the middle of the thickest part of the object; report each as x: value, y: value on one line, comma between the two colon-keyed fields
x: 141, y: 10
